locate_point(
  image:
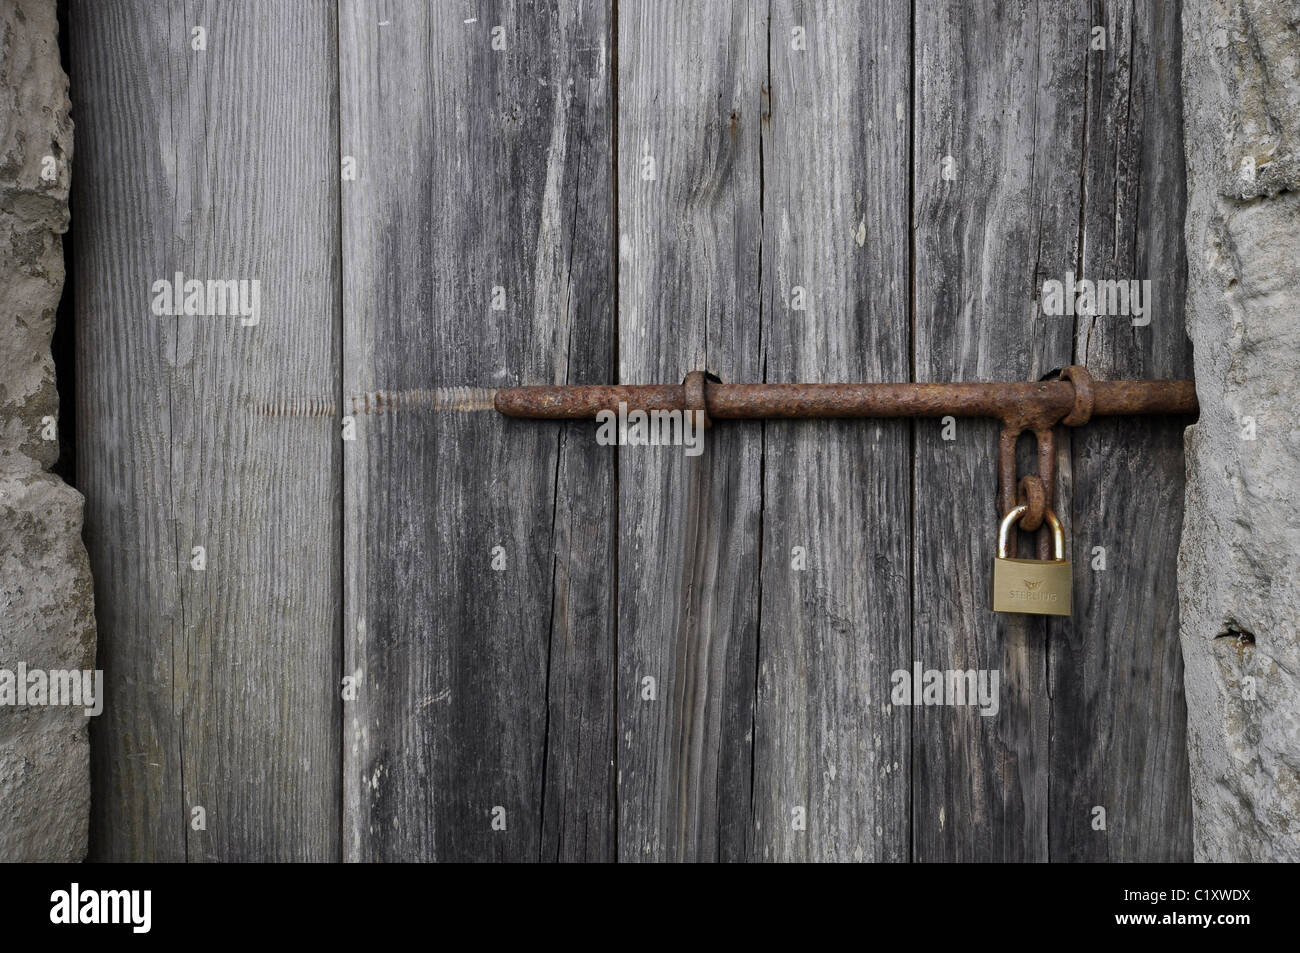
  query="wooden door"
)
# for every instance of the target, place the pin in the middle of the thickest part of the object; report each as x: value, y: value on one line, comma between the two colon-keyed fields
x: 427, y: 632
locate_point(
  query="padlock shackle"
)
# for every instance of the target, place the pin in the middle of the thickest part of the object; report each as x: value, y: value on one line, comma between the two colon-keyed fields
x: 1013, y: 517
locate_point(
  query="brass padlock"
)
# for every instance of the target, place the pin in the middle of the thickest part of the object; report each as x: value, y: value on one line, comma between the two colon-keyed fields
x: 1031, y: 585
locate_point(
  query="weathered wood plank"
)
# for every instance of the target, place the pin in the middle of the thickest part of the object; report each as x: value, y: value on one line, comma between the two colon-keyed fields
x: 835, y: 308
x: 1118, y: 717
x: 477, y: 168
x: 997, y: 93
x: 218, y: 163
x: 690, y: 94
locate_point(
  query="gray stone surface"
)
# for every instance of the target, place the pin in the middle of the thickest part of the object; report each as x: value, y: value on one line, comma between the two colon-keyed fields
x: 1239, y: 562
x: 46, y: 599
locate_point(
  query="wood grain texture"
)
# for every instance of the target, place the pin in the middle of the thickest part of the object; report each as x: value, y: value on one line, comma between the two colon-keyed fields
x: 481, y: 689
x: 1118, y: 713
x: 690, y: 97
x: 835, y: 224
x: 221, y: 684
x: 998, y: 91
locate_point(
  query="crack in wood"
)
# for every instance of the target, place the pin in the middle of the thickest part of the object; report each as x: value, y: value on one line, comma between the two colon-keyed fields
x: 453, y: 399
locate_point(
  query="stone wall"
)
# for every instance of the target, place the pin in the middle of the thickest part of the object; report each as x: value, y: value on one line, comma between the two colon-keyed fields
x: 1239, y: 562
x: 46, y: 602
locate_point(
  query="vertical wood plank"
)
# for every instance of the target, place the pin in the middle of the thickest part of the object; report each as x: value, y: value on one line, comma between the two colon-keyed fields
x: 996, y: 208
x: 486, y: 694
x: 219, y: 164
x: 690, y: 81
x: 1119, y: 718
x: 835, y: 308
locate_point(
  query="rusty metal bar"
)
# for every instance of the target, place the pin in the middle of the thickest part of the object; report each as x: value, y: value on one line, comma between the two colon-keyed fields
x: 1030, y: 405
x: 1036, y: 408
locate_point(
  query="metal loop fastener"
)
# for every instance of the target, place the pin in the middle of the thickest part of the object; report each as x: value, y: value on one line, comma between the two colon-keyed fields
x: 1008, y: 521
x: 1009, y: 490
x: 1084, y: 397
x: 1032, y: 493
x: 694, y: 394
